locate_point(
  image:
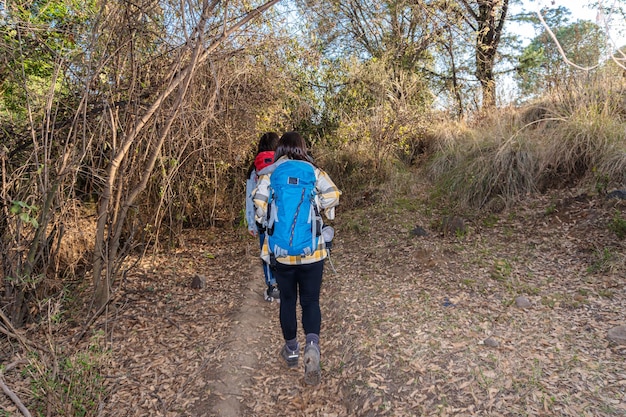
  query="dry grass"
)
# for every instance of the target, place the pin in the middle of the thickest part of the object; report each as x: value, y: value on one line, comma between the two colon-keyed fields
x: 355, y: 170
x: 573, y: 139
x: 588, y: 144
x: 482, y: 164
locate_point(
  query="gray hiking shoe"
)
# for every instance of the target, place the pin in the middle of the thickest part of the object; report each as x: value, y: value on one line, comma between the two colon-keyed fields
x: 312, y: 370
x: 290, y: 356
x: 266, y: 295
x: 274, y: 292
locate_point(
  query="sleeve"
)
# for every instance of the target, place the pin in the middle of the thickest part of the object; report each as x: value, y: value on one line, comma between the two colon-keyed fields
x: 260, y: 196
x: 328, y: 194
x: 250, y: 184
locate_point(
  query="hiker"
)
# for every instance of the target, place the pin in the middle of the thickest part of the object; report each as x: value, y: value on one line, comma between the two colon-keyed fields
x: 294, y: 244
x: 263, y: 159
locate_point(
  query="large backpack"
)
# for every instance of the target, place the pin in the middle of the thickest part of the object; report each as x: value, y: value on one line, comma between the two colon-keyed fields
x: 294, y: 224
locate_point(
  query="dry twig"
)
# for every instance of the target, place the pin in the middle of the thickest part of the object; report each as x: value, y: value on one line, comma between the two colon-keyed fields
x: 16, y: 400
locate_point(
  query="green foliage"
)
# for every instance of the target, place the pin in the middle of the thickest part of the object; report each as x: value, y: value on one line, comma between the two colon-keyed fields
x: 407, y: 204
x: 77, y: 387
x: 602, y: 261
x: 501, y: 270
x: 606, y: 292
x: 541, y: 66
x: 550, y: 301
x: 37, y: 36
x: 490, y: 220
x: 25, y: 282
x: 26, y: 213
x: 550, y: 209
x: 359, y: 225
x: 375, y: 106
x: 602, y: 183
x: 460, y: 233
x: 618, y: 225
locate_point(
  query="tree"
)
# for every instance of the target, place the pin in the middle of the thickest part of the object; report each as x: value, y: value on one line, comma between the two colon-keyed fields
x: 39, y: 47
x: 377, y: 57
x: 92, y: 95
x: 486, y: 18
x: 401, y: 30
x: 118, y: 197
x: 542, y: 68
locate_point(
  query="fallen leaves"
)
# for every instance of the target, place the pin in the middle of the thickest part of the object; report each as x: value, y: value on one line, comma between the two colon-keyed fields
x: 412, y: 325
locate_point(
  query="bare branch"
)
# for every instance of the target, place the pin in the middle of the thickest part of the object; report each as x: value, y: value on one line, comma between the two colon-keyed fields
x: 16, y: 400
x: 558, y: 45
x: 471, y: 12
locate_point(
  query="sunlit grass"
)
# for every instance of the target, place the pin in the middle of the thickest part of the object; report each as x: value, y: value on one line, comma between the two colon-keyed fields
x: 574, y: 138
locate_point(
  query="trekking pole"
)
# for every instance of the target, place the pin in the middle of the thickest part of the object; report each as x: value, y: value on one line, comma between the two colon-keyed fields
x: 331, y: 262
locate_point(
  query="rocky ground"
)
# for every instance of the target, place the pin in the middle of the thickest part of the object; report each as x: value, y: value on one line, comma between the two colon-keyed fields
x: 508, y: 316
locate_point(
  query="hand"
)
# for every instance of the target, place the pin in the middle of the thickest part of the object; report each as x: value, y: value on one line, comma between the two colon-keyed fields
x: 252, y: 233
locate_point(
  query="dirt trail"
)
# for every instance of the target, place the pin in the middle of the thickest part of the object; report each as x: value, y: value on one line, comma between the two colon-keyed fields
x: 238, y: 366
x: 248, y: 329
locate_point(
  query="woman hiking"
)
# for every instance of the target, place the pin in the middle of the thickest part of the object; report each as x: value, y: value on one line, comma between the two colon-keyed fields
x: 295, y: 193
x: 264, y: 158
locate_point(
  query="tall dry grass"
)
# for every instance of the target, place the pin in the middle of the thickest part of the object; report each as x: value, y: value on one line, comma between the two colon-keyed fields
x: 577, y: 137
x: 355, y: 169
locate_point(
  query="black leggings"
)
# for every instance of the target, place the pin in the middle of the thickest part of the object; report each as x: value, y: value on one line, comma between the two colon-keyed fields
x: 308, y: 279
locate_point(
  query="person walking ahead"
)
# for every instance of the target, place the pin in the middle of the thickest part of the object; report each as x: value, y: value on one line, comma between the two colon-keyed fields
x: 262, y: 164
x: 294, y: 194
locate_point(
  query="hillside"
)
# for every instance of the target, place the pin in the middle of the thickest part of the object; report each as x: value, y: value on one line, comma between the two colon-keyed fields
x: 412, y: 324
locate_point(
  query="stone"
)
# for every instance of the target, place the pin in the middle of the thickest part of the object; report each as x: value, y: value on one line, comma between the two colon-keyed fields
x: 618, y: 335
x: 619, y: 194
x: 522, y: 302
x: 198, y: 282
x: 419, y: 231
x: 491, y: 342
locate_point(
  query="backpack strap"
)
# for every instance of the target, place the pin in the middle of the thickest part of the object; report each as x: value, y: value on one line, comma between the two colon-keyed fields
x: 316, y: 220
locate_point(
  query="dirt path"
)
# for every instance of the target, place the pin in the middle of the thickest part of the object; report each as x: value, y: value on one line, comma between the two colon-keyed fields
x: 176, y: 350
x: 238, y: 366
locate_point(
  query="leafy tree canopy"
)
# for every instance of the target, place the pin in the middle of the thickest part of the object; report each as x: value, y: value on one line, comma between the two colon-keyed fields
x: 542, y: 66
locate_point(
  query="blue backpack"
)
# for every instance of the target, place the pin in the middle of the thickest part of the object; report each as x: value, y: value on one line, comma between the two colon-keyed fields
x: 294, y: 223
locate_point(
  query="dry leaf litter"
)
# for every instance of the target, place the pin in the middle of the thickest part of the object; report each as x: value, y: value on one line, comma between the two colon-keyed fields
x: 509, y: 319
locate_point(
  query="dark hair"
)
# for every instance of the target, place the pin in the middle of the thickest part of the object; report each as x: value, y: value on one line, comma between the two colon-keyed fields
x: 268, y: 142
x: 293, y: 146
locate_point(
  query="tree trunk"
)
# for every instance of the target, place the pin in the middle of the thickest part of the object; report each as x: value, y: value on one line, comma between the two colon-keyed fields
x: 489, y: 20
x: 456, y: 88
